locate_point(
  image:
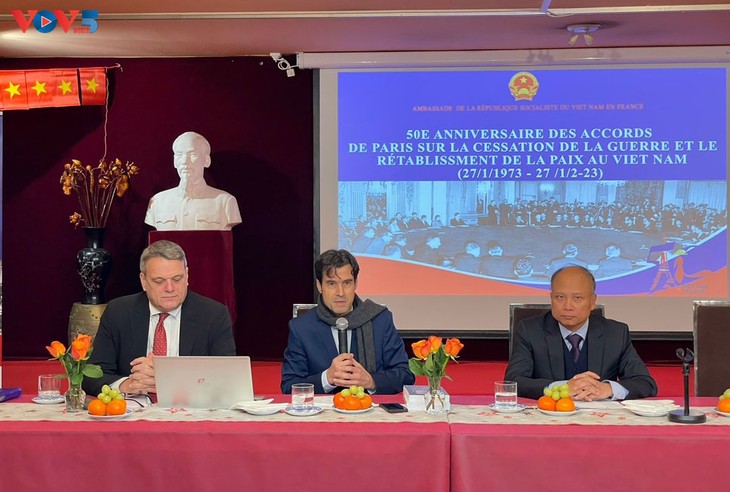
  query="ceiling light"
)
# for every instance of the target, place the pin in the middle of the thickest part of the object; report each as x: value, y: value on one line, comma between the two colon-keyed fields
x: 587, y: 30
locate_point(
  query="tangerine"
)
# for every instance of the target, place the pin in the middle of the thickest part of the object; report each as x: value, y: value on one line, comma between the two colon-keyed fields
x: 366, y: 401
x: 546, y: 403
x: 97, y: 407
x: 565, y: 405
x: 352, y: 403
x: 724, y: 405
x: 338, y: 401
x: 116, y: 407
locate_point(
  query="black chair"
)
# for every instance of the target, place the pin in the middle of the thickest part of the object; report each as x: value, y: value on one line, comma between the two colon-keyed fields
x: 519, y: 311
x: 301, y: 309
x: 711, y: 346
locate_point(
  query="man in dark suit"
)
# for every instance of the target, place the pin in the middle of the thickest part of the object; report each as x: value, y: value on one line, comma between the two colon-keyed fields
x: 165, y: 319
x: 592, y: 354
x: 376, y: 358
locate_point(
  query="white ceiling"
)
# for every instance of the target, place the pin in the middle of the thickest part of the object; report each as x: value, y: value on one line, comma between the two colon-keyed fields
x: 168, y: 28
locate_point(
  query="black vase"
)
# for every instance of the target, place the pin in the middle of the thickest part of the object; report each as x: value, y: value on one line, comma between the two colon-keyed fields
x: 94, y: 263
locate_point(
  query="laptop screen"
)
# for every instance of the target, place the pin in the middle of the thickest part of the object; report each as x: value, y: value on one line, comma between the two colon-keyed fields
x: 203, y: 382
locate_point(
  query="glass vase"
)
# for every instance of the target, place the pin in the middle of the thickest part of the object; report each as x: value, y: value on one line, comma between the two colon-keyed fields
x: 435, y: 398
x: 75, y: 398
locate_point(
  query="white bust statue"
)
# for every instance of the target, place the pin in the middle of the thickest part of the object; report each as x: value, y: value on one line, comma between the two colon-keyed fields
x: 193, y: 205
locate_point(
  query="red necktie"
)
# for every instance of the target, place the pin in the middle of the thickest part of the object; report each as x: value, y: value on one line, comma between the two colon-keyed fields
x: 159, y: 346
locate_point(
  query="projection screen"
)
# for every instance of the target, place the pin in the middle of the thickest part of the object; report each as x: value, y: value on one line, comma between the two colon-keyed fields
x: 461, y: 190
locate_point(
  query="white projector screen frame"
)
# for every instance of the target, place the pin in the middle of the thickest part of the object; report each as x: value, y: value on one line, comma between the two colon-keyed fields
x: 480, y: 313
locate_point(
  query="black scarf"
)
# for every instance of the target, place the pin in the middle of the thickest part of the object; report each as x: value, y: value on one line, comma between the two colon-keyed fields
x: 359, y: 320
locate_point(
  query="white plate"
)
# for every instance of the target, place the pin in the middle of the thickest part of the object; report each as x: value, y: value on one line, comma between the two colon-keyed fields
x: 313, y: 410
x: 650, y: 408
x: 111, y: 417
x: 724, y: 414
x: 352, y: 412
x: 255, y: 403
x: 558, y: 414
x: 646, y: 413
x: 242, y: 404
x: 646, y: 404
x: 264, y: 409
x: 48, y: 401
x: 517, y: 408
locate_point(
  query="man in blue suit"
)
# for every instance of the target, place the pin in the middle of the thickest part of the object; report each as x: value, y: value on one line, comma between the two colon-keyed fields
x: 376, y: 360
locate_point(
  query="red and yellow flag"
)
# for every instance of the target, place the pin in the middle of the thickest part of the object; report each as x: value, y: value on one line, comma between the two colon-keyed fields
x: 13, y: 90
x: 66, y: 87
x: 52, y: 88
x: 93, y: 86
x: 40, y: 88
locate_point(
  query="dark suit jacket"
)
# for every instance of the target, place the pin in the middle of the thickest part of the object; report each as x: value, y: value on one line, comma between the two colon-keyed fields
x: 312, y: 347
x: 537, y: 356
x: 205, y: 329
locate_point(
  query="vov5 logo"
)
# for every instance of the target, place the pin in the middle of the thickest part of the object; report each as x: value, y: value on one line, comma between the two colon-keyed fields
x: 45, y: 21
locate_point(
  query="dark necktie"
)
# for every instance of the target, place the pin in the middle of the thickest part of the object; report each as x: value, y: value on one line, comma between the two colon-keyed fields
x: 575, y: 340
x: 159, y: 345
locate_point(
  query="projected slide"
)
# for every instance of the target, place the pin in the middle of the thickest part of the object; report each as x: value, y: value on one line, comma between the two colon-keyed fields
x: 487, y: 182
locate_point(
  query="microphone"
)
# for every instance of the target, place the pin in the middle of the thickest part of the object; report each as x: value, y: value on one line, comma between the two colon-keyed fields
x: 342, y: 325
x: 686, y: 416
x: 686, y: 356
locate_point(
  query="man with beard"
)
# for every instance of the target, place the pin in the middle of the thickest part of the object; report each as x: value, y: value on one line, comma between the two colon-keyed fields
x: 193, y: 205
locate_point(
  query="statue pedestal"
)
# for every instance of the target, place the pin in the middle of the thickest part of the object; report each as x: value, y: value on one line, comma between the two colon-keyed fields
x: 210, y: 260
x: 84, y: 318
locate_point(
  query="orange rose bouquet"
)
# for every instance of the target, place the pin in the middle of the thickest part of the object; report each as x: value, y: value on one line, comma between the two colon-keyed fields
x: 74, y: 361
x: 431, y: 357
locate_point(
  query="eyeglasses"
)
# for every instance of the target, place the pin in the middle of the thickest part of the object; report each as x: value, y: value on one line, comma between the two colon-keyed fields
x: 141, y: 400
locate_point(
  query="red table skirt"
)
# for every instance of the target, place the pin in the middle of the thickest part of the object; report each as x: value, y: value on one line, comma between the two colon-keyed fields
x: 221, y: 456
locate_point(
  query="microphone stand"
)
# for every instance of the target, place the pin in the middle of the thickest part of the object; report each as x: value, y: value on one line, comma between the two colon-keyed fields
x: 686, y: 416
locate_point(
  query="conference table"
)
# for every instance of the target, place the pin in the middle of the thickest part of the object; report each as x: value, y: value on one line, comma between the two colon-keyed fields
x: 595, y: 449
x: 472, y: 448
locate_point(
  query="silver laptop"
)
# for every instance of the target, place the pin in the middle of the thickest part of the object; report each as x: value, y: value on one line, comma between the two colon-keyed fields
x: 203, y: 382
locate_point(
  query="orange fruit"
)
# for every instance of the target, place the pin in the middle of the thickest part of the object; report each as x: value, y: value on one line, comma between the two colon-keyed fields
x: 564, y: 405
x: 546, y: 403
x: 116, y: 407
x: 366, y: 401
x: 338, y: 401
x: 724, y: 405
x: 352, y: 403
x: 97, y: 407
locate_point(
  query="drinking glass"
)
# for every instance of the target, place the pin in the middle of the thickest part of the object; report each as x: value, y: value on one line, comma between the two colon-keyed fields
x: 302, y: 396
x: 49, y: 387
x: 505, y: 394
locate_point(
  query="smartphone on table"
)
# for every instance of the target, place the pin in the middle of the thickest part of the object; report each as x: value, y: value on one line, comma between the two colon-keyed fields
x: 393, y: 407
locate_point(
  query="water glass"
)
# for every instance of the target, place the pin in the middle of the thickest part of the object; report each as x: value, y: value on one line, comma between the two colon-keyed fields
x: 302, y: 396
x: 49, y: 387
x: 505, y: 394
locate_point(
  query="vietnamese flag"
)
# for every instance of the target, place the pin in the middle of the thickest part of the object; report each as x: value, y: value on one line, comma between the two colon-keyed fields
x: 40, y: 88
x: 93, y: 86
x: 13, y: 90
x: 65, y: 85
